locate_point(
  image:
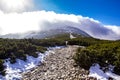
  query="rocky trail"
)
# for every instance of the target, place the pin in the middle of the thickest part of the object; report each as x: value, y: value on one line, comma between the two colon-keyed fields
x: 58, y: 65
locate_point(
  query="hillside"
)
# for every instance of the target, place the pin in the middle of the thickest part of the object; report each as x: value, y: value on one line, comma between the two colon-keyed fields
x: 48, y: 33
x: 69, y: 59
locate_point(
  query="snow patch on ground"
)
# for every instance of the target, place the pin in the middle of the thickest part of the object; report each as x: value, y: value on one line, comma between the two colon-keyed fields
x: 96, y: 72
x: 56, y: 47
x: 71, y: 36
x: 114, y: 76
x: 13, y: 71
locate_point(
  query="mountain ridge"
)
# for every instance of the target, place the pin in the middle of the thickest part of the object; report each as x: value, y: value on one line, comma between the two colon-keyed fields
x: 47, y: 33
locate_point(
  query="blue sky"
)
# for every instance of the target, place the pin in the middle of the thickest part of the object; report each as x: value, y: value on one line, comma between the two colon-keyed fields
x: 106, y: 11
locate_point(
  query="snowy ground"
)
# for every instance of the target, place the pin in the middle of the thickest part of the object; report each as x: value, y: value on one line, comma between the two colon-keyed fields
x: 95, y: 71
x: 56, y: 47
x: 13, y: 70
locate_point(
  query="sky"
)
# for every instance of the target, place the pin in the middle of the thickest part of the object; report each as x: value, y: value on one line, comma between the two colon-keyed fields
x: 106, y: 11
x: 99, y: 18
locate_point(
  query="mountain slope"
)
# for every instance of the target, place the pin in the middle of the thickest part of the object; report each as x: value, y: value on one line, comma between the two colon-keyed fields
x: 47, y: 33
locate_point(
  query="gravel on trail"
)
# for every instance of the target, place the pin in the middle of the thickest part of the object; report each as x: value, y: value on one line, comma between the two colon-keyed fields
x: 58, y: 65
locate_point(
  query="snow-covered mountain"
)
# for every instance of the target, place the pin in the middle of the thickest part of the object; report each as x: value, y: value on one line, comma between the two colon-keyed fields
x: 47, y: 33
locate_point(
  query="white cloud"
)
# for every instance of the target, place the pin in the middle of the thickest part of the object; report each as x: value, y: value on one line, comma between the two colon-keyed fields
x: 15, y: 5
x: 114, y: 28
x: 40, y: 20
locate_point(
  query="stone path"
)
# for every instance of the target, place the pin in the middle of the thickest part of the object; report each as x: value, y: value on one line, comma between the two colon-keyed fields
x: 58, y: 65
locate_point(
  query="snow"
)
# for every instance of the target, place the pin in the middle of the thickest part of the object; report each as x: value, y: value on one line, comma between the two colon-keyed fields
x: 13, y: 70
x: 116, y: 77
x: 71, y: 36
x: 96, y: 72
x: 56, y: 47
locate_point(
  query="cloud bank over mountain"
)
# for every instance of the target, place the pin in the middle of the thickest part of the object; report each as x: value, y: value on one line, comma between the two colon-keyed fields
x: 41, y: 20
x: 11, y: 21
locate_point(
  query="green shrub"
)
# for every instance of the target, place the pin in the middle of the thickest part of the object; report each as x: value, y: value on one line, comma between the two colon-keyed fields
x: 41, y: 49
x: 2, y: 71
x: 35, y: 55
x: 103, y: 54
x: 83, y: 59
x: 20, y: 54
x: 12, y: 59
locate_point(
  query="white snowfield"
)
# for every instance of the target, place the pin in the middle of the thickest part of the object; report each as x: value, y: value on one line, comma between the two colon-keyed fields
x: 95, y: 71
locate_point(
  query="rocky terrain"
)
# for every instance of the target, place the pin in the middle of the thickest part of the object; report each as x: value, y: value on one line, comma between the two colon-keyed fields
x: 58, y: 65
